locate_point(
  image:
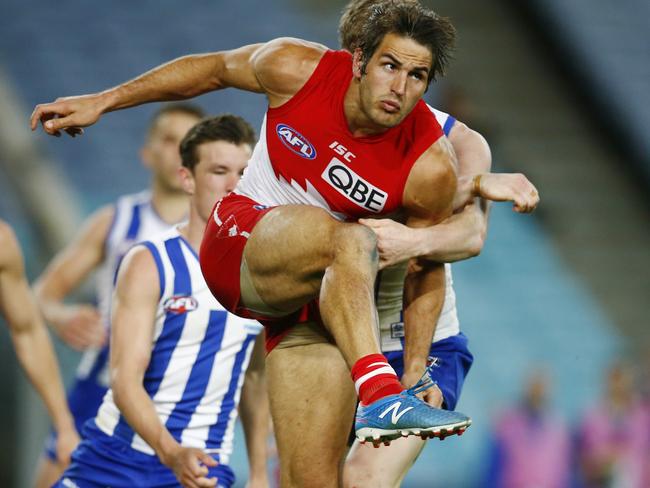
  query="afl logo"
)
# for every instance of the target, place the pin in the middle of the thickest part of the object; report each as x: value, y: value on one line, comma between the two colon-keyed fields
x: 180, y: 304
x: 295, y: 141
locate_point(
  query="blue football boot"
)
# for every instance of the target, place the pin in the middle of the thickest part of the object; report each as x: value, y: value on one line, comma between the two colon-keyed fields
x: 404, y: 414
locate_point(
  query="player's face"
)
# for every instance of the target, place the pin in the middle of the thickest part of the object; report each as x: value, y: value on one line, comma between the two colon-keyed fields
x: 161, y: 152
x: 217, y: 172
x: 395, y: 80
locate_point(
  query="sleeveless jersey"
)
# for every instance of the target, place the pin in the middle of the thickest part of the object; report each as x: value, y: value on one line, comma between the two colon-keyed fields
x: 134, y: 220
x: 391, y: 286
x: 199, y: 355
x: 306, y: 153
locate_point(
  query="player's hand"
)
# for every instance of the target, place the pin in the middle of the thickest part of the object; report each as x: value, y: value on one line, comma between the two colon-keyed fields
x: 509, y: 187
x: 66, y: 442
x: 191, y: 467
x: 433, y: 396
x: 81, y: 327
x: 69, y: 114
x: 395, y: 242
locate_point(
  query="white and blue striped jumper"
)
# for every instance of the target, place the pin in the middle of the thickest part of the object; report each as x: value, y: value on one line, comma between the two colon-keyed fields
x: 199, y: 355
x: 134, y: 220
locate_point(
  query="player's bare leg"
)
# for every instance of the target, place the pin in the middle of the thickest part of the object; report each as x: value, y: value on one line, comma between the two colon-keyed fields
x: 297, y: 253
x: 313, y: 416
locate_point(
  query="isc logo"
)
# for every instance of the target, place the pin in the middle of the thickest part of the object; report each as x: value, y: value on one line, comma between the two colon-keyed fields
x: 355, y: 188
x: 180, y: 304
x: 295, y: 141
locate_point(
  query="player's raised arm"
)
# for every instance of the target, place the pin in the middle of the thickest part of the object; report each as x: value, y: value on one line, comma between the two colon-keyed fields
x: 132, y: 326
x: 278, y: 68
x: 462, y: 235
x: 32, y: 342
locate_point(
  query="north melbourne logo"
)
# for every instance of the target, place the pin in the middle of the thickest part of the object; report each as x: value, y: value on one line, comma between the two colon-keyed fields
x: 353, y: 187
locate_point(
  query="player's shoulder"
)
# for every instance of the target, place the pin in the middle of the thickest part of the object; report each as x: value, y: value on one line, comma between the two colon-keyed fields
x: 283, y: 65
x: 139, y: 272
x: 292, y: 47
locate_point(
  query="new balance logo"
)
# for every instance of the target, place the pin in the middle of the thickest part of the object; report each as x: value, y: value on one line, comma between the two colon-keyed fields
x: 396, y: 414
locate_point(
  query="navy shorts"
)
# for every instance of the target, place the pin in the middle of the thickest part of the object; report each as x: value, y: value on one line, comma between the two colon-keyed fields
x: 451, y: 362
x: 101, y: 461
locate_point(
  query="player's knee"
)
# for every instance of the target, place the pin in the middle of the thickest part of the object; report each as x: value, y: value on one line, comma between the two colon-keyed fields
x: 357, y: 241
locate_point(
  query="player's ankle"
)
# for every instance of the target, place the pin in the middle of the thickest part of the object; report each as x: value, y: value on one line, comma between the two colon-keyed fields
x: 374, y: 379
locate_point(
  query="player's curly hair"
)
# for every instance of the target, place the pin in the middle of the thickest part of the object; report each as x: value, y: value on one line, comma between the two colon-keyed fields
x: 226, y: 127
x: 364, y: 23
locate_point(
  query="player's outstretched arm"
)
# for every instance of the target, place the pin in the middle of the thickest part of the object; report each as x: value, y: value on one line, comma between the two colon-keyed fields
x: 32, y: 342
x: 135, y: 303
x: 278, y: 68
x: 79, y: 325
x: 255, y: 414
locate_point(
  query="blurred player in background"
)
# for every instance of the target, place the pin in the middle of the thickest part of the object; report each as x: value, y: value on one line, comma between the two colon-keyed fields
x: 100, y: 246
x: 614, y: 437
x: 178, y: 358
x: 459, y: 237
x: 531, y: 443
x: 32, y: 344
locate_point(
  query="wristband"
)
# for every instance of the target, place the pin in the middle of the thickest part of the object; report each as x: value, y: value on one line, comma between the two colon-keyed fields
x: 476, y: 185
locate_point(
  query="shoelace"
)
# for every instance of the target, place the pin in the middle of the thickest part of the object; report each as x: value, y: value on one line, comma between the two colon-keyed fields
x: 424, y: 383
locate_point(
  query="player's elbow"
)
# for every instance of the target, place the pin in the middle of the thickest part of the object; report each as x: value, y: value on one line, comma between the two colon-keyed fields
x: 478, y: 236
x: 121, y: 385
x: 475, y: 246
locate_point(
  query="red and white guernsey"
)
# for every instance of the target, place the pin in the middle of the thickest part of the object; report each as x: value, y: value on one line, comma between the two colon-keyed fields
x: 307, y: 155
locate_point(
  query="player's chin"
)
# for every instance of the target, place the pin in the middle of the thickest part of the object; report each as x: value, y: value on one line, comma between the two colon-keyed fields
x: 388, y: 119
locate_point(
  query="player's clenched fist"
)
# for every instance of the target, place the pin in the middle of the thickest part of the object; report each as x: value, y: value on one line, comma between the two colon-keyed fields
x: 190, y: 466
x: 504, y: 187
x: 69, y: 114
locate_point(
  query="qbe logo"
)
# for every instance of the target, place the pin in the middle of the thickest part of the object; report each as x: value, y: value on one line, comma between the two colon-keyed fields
x: 295, y: 141
x: 180, y: 304
x: 353, y: 187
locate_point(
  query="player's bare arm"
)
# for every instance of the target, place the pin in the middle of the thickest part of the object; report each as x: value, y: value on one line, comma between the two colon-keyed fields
x: 132, y: 326
x: 79, y: 325
x: 462, y: 235
x: 278, y: 68
x: 254, y: 413
x: 32, y: 342
x: 428, y: 199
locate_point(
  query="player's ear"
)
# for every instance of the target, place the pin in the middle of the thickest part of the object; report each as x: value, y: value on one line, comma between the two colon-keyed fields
x: 357, y: 63
x: 187, y: 180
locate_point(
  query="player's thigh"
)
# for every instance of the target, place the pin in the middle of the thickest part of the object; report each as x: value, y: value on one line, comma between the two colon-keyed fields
x: 312, y: 403
x: 381, y: 467
x: 290, y: 248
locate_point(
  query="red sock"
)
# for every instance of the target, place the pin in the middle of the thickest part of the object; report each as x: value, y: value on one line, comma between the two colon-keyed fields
x: 374, y: 378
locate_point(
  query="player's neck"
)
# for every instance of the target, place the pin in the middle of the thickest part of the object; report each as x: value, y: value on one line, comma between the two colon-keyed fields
x: 358, y: 122
x: 193, y: 230
x: 171, y: 206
